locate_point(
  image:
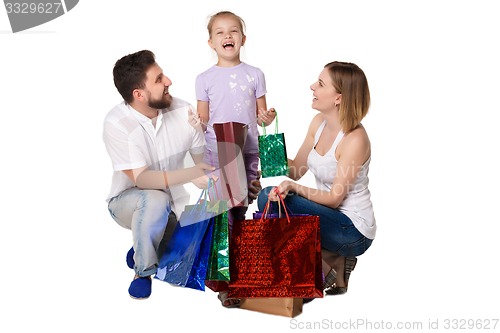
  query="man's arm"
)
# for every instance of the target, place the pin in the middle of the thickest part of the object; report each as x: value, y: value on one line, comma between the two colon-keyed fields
x: 161, y: 180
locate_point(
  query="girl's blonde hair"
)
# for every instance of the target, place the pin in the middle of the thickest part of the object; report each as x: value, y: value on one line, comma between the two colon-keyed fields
x: 225, y: 13
x: 350, y: 81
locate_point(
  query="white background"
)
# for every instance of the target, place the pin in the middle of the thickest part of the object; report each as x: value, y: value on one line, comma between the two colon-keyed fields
x: 433, y: 72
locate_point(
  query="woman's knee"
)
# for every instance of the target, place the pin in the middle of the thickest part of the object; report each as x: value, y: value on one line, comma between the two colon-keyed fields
x: 356, y: 248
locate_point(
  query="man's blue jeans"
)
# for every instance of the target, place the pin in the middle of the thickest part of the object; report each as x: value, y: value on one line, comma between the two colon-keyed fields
x: 338, y: 233
x: 146, y: 213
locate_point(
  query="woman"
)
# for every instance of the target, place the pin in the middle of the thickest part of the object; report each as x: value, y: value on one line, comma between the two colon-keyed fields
x: 337, y: 151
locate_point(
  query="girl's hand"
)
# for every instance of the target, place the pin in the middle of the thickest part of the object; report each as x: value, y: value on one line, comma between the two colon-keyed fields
x: 254, y: 188
x: 194, y: 119
x: 266, y: 117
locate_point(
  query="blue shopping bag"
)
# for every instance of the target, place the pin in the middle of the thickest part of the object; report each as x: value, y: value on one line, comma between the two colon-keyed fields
x: 185, y: 260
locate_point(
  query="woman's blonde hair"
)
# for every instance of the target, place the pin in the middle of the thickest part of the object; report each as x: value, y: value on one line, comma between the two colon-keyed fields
x: 350, y: 81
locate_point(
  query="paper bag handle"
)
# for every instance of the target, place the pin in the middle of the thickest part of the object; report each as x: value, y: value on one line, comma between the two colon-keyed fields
x: 217, y: 195
x: 205, y: 195
x: 268, y: 204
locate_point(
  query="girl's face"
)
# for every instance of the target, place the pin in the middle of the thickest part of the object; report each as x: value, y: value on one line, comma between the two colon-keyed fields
x: 325, y: 96
x: 227, y: 37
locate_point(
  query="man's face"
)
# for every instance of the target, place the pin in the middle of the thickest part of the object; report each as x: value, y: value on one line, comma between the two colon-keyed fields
x: 156, y: 88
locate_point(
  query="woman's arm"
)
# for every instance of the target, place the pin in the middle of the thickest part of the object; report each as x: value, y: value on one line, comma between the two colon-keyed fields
x: 351, y: 155
x: 352, y: 152
x: 298, y: 166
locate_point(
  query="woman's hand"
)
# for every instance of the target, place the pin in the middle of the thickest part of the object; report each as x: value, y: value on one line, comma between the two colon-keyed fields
x: 281, y: 190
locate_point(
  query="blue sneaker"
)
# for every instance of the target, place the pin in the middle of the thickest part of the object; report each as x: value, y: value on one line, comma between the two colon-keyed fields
x: 130, y: 258
x: 140, y: 288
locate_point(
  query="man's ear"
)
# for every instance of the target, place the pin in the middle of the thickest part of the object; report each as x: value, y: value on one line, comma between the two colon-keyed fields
x: 137, y: 94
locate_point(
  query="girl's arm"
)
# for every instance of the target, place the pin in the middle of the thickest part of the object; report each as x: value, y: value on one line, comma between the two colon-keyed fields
x: 203, y: 113
x: 263, y: 115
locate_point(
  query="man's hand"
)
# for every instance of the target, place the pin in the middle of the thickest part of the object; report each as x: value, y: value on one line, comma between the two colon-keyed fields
x: 202, y: 182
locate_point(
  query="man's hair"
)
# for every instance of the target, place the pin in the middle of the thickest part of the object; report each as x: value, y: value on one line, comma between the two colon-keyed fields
x: 129, y: 72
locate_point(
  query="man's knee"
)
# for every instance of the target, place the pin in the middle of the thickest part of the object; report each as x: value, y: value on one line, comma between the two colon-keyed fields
x: 155, y: 200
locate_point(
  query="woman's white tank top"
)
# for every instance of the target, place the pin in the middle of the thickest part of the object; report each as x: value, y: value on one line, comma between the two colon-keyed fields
x: 357, y: 203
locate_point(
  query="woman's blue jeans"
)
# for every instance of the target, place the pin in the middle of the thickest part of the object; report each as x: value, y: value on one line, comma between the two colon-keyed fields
x: 338, y: 233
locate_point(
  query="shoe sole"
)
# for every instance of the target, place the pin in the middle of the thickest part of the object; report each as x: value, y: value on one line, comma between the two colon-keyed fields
x: 138, y: 298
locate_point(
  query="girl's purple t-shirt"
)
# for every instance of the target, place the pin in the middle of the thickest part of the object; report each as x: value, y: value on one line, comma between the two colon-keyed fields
x: 232, y: 94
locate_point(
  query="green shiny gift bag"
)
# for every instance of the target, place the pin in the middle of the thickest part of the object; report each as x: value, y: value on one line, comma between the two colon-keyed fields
x: 218, y: 261
x: 272, y: 152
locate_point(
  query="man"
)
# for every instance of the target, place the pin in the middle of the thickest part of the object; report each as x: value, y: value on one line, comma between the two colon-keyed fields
x: 147, y: 137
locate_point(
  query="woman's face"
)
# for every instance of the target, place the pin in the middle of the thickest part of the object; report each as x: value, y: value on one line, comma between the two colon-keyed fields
x: 325, y: 96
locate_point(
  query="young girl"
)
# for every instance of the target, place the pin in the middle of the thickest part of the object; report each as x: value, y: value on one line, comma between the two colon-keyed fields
x: 232, y: 91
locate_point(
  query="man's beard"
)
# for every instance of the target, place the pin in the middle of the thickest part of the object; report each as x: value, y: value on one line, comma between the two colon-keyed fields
x: 163, y: 103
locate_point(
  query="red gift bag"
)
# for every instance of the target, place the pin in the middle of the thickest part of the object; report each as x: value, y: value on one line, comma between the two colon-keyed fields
x: 276, y: 257
x: 231, y: 139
